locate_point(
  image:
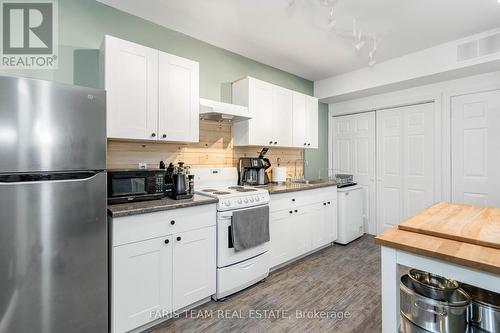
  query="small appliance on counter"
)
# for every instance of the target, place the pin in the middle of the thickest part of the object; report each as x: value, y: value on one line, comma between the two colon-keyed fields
x: 344, y: 180
x: 135, y: 185
x: 252, y: 170
x: 181, y: 189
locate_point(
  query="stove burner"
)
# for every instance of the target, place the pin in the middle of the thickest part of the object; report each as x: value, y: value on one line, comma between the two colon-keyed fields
x: 246, y: 190
x: 221, y: 192
x: 209, y: 190
x: 235, y: 187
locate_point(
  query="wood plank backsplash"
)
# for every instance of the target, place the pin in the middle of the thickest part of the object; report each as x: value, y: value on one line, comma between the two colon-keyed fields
x: 215, y: 149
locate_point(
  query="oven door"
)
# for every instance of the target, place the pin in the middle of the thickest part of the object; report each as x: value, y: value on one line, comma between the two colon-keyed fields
x: 226, y: 255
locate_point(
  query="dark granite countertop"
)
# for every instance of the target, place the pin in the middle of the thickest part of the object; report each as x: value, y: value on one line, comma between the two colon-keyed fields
x: 275, y: 188
x: 144, y: 207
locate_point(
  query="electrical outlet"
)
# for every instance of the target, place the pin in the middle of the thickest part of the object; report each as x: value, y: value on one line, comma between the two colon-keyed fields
x: 143, y: 165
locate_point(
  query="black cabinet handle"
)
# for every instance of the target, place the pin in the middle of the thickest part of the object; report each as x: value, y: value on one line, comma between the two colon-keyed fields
x: 167, y: 241
x: 164, y: 136
x: 270, y: 142
x: 305, y: 144
x: 172, y: 222
x: 153, y: 135
x: 328, y: 202
x: 275, y: 142
x: 308, y: 144
x: 296, y: 211
x: 293, y: 199
x: 324, y: 203
x: 290, y: 212
x: 178, y: 238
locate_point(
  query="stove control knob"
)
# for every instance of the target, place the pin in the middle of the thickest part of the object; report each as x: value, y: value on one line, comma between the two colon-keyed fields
x: 251, y: 199
x: 257, y: 199
x: 245, y: 200
x: 228, y: 203
x: 240, y: 201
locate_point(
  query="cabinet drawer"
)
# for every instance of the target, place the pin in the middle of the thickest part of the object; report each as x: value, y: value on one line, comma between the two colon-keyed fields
x: 129, y: 229
x: 301, y: 198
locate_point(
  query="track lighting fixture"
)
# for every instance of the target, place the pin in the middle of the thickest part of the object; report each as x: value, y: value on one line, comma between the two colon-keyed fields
x: 361, y: 42
x: 332, y: 21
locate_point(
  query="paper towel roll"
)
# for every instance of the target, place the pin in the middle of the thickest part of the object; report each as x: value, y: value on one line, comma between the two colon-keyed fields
x: 279, y: 174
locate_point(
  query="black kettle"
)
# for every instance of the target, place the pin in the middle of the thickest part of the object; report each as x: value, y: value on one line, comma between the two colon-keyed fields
x: 179, y: 180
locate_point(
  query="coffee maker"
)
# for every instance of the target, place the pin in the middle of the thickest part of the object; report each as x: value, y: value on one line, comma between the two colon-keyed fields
x: 178, y: 176
x: 252, y: 170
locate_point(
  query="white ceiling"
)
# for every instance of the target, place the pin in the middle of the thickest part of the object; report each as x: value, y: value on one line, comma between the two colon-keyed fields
x: 296, y: 38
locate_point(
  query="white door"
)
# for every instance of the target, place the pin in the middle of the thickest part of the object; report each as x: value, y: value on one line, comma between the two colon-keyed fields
x: 299, y: 120
x: 312, y: 121
x: 282, y: 116
x: 405, y: 162
x: 179, y: 99
x: 261, y: 107
x: 354, y: 153
x: 131, y: 83
x: 194, y: 266
x: 475, y: 147
x: 141, y: 282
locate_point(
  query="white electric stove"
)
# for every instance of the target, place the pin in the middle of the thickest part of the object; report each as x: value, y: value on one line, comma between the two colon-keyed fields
x: 236, y: 270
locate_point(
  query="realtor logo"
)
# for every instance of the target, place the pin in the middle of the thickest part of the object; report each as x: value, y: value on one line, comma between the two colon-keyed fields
x: 29, y: 34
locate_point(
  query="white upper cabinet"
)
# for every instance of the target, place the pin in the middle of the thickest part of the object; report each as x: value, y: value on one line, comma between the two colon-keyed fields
x: 131, y: 82
x: 305, y: 121
x: 280, y: 117
x: 151, y: 95
x: 179, y: 98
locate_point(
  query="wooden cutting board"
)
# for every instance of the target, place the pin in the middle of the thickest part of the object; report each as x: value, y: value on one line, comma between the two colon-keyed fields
x: 466, y: 223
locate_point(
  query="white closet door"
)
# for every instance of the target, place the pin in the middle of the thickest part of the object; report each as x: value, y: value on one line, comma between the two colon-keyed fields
x: 354, y: 153
x: 405, y: 162
x: 475, y: 148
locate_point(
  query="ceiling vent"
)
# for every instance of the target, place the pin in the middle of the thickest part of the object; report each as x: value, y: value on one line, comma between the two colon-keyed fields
x: 479, y: 48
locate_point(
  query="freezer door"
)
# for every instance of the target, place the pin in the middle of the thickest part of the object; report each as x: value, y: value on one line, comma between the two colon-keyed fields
x: 53, y: 254
x: 46, y: 126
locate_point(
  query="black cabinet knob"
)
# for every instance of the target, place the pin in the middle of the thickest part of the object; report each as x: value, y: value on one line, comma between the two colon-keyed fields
x: 164, y: 136
x: 153, y: 135
x: 328, y: 202
x: 324, y: 203
x: 275, y: 142
x: 167, y: 241
x: 293, y: 199
x: 172, y: 222
x: 290, y: 212
x: 308, y: 144
x: 178, y: 238
x: 296, y: 211
x: 270, y: 142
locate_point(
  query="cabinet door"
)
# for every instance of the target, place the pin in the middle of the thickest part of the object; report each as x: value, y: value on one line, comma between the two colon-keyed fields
x: 178, y: 99
x: 316, y: 218
x: 194, y: 266
x: 261, y: 107
x: 330, y: 219
x: 311, y: 122
x: 141, y: 283
x: 282, y: 116
x: 299, y: 120
x: 131, y: 83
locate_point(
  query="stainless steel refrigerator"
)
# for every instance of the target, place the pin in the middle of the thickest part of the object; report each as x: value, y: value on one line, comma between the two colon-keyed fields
x: 53, y: 232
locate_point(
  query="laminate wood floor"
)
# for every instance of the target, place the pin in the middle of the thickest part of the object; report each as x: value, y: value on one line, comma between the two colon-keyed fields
x: 333, y: 281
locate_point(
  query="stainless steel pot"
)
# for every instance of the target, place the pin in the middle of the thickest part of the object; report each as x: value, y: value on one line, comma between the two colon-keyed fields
x: 485, y: 308
x: 448, y: 316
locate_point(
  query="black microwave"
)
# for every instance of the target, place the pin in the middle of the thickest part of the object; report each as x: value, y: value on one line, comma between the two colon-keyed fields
x: 135, y: 185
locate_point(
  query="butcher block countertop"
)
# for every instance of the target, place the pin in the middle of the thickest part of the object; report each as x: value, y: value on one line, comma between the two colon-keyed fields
x: 466, y: 223
x: 463, y: 234
x: 465, y: 254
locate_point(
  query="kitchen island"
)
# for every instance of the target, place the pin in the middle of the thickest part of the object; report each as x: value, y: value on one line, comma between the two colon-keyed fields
x: 429, y: 242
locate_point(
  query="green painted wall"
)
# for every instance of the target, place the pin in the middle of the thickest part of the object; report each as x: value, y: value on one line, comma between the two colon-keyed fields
x: 83, y: 23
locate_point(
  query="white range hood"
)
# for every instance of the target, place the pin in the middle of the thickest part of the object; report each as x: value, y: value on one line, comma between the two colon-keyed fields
x: 222, y: 112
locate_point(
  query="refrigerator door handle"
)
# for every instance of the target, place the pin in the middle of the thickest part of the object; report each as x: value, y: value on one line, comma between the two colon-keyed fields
x: 18, y: 179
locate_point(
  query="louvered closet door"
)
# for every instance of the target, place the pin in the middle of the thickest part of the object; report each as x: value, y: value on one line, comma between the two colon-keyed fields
x: 354, y: 153
x: 475, y: 146
x: 405, y: 162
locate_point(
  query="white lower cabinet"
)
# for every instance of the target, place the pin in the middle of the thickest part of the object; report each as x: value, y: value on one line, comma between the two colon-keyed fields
x: 301, y: 222
x: 151, y: 277
x: 193, y: 266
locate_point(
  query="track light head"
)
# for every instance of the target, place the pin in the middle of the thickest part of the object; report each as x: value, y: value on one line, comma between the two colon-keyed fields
x: 361, y: 42
x: 332, y: 21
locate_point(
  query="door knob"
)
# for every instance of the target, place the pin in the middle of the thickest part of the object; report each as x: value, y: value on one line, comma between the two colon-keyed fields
x: 178, y: 238
x: 167, y: 241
